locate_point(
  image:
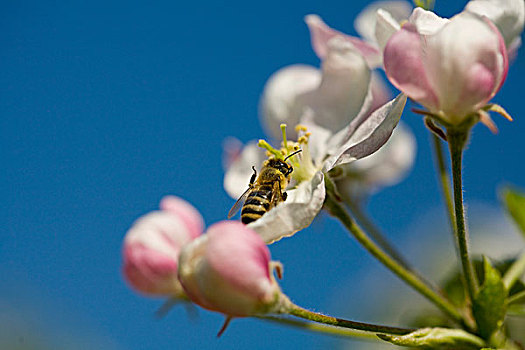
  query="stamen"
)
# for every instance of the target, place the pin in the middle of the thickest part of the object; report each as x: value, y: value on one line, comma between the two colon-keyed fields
x: 263, y: 144
x: 300, y: 128
x: 283, y: 130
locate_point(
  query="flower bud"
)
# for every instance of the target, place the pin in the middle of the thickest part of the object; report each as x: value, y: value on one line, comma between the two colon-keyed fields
x: 451, y: 67
x: 152, y: 245
x: 228, y: 271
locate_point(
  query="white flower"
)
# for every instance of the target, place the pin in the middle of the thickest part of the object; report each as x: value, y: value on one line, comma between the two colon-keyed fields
x: 343, y: 108
x: 323, y: 150
x: 335, y: 94
x: 451, y: 67
x: 507, y: 15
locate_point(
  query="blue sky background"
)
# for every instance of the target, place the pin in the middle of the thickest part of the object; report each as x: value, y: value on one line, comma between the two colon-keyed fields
x: 106, y: 106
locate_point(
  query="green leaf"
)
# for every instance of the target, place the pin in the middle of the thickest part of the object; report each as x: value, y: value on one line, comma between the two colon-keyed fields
x: 514, y: 202
x: 436, y: 338
x: 489, y: 305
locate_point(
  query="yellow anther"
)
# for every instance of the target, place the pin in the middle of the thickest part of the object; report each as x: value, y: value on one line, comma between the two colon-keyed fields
x: 303, y: 139
x: 300, y: 127
x: 271, y: 151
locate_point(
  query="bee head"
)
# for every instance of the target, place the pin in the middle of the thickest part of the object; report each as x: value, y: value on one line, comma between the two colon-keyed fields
x: 285, y: 168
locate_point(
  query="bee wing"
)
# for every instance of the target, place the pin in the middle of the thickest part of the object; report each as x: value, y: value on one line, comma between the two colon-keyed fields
x: 238, y: 204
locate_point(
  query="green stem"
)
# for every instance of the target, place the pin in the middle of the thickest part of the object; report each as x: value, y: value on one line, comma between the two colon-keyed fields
x: 295, y: 310
x: 516, y: 270
x: 445, y: 183
x: 456, y: 141
x: 376, y: 234
x: 407, y: 276
x: 322, y: 328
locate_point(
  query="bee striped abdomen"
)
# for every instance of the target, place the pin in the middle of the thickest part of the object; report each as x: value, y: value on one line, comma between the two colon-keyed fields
x: 257, y: 204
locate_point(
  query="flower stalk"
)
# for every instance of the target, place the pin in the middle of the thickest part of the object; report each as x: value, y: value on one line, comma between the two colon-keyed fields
x: 409, y: 277
x: 457, y: 138
x: 322, y: 328
x: 295, y: 310
x: 444, y: 180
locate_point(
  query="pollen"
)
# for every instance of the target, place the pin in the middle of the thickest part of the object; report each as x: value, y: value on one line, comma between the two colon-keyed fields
x: 302, y: 163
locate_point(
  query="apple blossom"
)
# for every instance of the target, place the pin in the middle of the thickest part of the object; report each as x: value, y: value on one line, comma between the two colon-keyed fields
x: 229, y: 270
x: 336, y: 105
x: 451, y: 67
x: 151, y: 247
x: 507, y: 15
x: 322, y: 150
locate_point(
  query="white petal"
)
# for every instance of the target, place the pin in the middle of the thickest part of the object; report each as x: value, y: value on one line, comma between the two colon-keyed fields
x: 344, y: 86
x: 507, y: 15
x: 237, y: 176
x: 296, y: 213
x: 279, y: 99
x: 369, y: 136
x: 386, y: 167
x: 365, y: 23
x: 427, y: 22
x: 386, y: 26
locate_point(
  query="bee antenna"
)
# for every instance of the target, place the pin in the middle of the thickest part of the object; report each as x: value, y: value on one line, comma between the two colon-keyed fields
x: 292, y: 154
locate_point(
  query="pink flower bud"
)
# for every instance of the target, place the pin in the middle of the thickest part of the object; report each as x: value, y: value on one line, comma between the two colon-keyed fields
x: 228, y: 270
x: 186, y: 212
x: 452, y: 67
x: 152, y: 245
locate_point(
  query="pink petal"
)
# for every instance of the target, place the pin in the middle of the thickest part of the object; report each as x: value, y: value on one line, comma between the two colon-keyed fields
x: 227, y: 270
x: 404, y: 66
x: 149, y: 271
x: 250, y: 261
x: 186, y: 212
x: 504, y: 56
x: 466, y: 63
x: 321, y: 34
x: 150, y: 253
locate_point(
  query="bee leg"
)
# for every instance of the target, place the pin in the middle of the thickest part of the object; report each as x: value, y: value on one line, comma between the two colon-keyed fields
x: 284, y: 195
x: 277, y: 195
x: 254, y: 176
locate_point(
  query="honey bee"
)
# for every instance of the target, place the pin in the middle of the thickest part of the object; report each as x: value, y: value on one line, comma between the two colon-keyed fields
x: 264, y: 191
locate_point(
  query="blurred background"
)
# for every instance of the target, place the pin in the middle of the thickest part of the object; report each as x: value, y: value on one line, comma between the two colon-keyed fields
x: 106, y: 106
